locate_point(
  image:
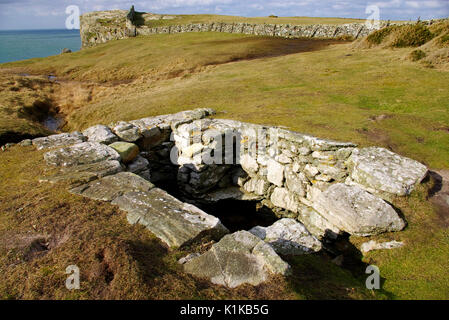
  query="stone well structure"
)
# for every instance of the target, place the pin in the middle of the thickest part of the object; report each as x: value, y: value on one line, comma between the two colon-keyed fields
x: 318, y: 188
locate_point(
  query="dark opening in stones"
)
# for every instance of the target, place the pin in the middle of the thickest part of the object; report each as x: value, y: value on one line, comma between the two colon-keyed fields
x: 239, y: 215
x: 235, y: 214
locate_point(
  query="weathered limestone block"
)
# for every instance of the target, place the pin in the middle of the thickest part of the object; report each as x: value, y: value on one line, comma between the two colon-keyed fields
x: 85, y: 173
x: 206, y: 180
x: 174, y: 222
x: 380, y: 170
x: 275, y: 172
x: 153, y: 137
x: 59, y: 140
x: 356, y: 211
x: 127, y: 151
x: 100, y: 134
x: 249, y: 164
x: 111, y: 187
x: 139, y: 164
x: 295, y: 181
x: 333, y: 171
x: 257, y: 186
x: 285, y: 199
x: 127, y: 131
x: 373, y: 245
x: 310, y: 171
x: 79, y: 154
x: 316, y: 224
x: 288, y: 236
x: 237, y: 259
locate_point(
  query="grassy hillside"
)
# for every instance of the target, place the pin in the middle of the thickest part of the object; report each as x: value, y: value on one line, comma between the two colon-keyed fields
x: 371, y: 95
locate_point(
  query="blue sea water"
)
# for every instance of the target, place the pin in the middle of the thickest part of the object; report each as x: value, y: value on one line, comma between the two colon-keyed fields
x: 26, y: 44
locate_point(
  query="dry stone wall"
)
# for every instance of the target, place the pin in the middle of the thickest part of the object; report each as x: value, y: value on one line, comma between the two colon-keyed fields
x: 103, y: 26
x: 330, y: 187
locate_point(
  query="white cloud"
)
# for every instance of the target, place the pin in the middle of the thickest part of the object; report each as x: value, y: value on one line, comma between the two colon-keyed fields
x: 20, y: 13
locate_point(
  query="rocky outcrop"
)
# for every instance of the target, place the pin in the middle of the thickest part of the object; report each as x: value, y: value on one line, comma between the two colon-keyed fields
x: 236, y: 259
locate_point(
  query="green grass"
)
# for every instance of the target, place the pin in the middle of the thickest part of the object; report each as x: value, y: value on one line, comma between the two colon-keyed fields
x: 209, y: 18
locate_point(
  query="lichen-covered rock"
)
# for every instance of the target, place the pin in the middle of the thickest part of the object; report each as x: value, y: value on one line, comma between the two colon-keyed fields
x: 249, y: 164
x: 79, y: 154
x: 138, y: 164
x: 174, y: 222
x: 127, y: 151
x: 85, y: 173
x: 111, y: 187
x: 285, y: 199
x: 373, y: 245
x: 237, y: 259
x: 295, y: 182
x: 59, y: 140
x: 100, y: 134
x: 127, y: 131
x: 275, y: 172
x: 380, y: 170
x: 257, y: 186
x: 288, y: 236
x: 356, y: 211
x: 316, y: 224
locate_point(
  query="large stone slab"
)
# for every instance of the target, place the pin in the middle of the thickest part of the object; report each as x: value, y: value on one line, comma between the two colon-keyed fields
x: 111, y: 187
x: 356, y: 211
x: 85, y: 173
x: 380, y: 170
x: 100, y: 134
x: 288, y: 236
x: 59, y: 140
x: 174, y: 222
x: 79, y: 154
x: 237, y: 259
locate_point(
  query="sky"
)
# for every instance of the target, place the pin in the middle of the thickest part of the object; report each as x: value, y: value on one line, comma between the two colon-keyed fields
x: 51, y: 14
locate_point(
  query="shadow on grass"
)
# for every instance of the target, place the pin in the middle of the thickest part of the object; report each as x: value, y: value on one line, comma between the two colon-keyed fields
x: 337, y: 272
x: 149, y: 256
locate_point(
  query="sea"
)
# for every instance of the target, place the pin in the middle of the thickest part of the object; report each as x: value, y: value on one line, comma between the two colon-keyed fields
x: 27, y: 44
